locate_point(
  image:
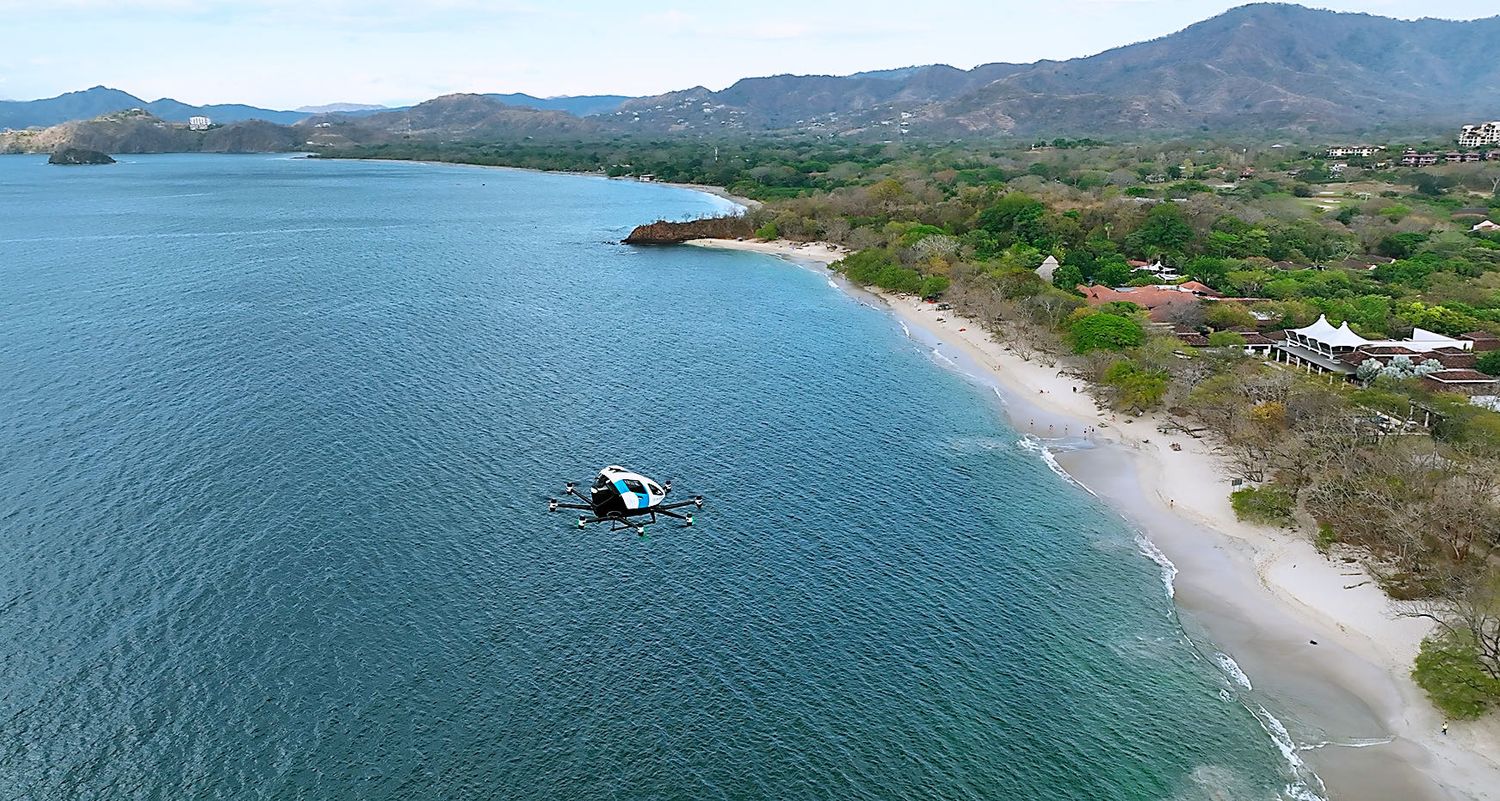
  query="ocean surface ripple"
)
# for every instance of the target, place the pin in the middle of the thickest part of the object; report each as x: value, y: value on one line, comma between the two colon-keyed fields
x: 275, y: 436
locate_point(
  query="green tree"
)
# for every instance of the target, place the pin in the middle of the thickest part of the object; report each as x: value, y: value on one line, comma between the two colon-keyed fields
x: 1106, y: 332
x: 1400, y: 246
x: 1449, y: 669
x: 933, y: 286
x: 1443, y: 320
x: 1226, y: 315
x: 1135, y: 388
x: 1226, y: 339
x: 1014, y: 210
x: 1164, y: 232
x: 1068, y: 277
x: 1269, y: 504
x: 1112, y: 271
x: 1489, y: 362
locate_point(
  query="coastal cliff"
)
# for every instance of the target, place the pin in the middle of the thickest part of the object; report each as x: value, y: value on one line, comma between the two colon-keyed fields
x: 663, y: 232
x: 79, y: 155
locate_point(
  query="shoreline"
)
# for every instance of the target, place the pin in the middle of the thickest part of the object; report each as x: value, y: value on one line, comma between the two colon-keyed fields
x: 1259, y: 597
x: 745, y: 204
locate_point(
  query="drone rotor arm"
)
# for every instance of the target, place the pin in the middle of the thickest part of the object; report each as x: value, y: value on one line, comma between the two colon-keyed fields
x: 697, y: 501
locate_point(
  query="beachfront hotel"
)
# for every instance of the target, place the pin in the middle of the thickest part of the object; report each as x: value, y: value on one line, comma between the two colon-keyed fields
x: 1322, y: 348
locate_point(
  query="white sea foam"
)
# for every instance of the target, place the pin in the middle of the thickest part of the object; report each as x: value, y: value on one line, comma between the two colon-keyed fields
x: 1035, y: 445
x: 944, y: 358
x: 1305, y: 785
x: 1232, y: 669
x: 1360, y: 743
x: 1149, y: 550
x: 835, y: 285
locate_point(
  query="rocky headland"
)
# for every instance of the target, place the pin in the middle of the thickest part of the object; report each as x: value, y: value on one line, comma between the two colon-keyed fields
x: 663, y: 232
x: 79, y: 155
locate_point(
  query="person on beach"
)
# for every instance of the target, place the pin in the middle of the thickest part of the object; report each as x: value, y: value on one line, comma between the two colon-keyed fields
x: 1445, y: 728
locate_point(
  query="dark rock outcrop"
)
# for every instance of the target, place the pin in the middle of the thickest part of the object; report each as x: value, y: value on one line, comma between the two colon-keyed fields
x: 79, y: 155
x: 662, y: 232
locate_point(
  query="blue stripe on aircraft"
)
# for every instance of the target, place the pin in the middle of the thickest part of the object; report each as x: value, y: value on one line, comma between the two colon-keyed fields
x: 642, y: 499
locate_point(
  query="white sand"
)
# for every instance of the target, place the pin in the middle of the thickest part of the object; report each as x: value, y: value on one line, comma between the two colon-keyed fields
x: 806, y: 252
x: 1262, y: 594
x: 718, y: 191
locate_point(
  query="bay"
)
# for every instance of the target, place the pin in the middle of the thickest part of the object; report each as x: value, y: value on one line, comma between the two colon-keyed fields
x: 275, y: 439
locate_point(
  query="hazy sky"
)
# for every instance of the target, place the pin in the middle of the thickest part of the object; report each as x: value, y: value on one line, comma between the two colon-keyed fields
x: 286, y: 53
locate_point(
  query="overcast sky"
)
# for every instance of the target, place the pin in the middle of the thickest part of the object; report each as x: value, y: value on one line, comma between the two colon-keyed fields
x: 287, y: 53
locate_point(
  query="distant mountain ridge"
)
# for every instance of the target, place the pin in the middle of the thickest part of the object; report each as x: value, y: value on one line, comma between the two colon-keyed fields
x: 1257, y: 68
x: 101, y: 100
x: 577, y: 105
x: 329, y: 108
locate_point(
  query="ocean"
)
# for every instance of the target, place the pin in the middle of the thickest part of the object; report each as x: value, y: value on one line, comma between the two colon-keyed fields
x: 276, y: 438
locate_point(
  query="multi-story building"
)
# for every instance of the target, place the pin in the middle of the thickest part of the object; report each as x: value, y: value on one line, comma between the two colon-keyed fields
x: 1412, y: 158
x: 199, y: 123
x: 1485, y: 133
x: 1348, y: 151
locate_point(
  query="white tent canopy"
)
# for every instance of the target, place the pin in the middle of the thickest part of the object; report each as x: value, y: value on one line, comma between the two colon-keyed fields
x: 1321, y: 335
x: 1323, y: 331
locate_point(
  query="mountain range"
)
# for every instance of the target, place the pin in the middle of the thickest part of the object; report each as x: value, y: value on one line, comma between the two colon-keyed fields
x: 1265, y: 66
x: 1261, y: 67
x: 102, y: 100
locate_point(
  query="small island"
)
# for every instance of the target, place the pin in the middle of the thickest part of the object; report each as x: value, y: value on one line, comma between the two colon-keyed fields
x: 79, y: 155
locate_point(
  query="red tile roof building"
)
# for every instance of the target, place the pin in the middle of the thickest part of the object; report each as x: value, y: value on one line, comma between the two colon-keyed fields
x: 1159, y: 300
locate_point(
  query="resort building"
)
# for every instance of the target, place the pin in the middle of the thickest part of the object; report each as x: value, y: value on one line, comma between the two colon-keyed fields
x: 1256, y: 343
x: 1159, y: 300
x: 1347, y: 151
x: 1482, y: 341
x: 1486, y: 133
x: 1464, y: 382
x: 199, y: 123
x: 1048, y: 268
x: 1160, y: 270
x: 1322, y: 348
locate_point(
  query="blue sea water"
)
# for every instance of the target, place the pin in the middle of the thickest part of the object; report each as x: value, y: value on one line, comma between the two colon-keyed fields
x: 275, y: 436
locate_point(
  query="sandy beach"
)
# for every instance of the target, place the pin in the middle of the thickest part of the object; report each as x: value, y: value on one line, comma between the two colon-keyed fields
x: 744, y: 203
x: 1323, y: 647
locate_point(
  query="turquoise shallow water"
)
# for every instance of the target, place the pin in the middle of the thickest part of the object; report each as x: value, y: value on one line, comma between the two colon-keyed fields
x: 273, y: 435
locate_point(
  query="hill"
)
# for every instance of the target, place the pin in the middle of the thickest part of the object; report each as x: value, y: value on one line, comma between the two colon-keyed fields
x: 578, y: 106
x: 101, y: 100
x: 137, y: 131
x: 1258, y: 67
x: 462, y: 116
